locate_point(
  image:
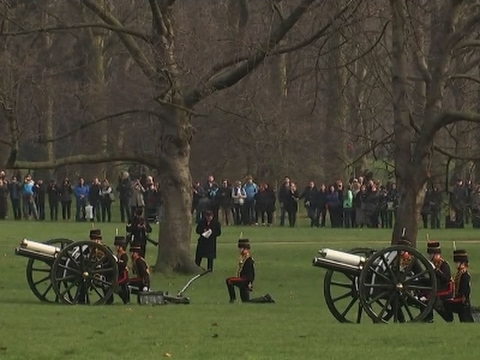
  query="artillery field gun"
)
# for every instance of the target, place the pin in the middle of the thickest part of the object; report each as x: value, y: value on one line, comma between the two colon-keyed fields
x: 82, y: 272
x: 61, y: 270
x: 395, y: 284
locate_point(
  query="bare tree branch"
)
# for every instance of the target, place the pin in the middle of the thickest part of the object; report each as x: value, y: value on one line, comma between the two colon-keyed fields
x: 455, y: 157
x: 220, y: 78
x: 221, y: 66
x: 157, y: 17
x: 148, y: 159
x: 126, y: 39
x: 114, y: 28
x: 97, y: 121
x: 465, y: 77
x: 467, y: 29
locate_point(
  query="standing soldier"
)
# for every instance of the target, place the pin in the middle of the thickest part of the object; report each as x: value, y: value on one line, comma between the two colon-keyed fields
x: 443, y: 276
x: 140, y: 269
x: 138, y: 228
x: 122, y: 263
x: 460, y: 303
x: 245, y: 277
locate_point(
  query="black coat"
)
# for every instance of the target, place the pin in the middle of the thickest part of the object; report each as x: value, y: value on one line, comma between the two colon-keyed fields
x: 207, y: 248
x: 265, y: 200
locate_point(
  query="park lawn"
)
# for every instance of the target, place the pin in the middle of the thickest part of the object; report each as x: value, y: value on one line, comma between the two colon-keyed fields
x: 298, y: 326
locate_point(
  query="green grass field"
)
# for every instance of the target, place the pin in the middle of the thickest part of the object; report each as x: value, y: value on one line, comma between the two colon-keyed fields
x: 298, y: 326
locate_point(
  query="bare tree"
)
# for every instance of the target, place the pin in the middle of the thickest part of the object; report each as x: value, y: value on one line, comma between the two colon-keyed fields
x: 452, y: 23
x: 172, y: 103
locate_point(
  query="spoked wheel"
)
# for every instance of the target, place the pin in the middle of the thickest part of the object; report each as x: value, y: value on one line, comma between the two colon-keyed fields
x: 397, y: 284
x: 341, y: 292
x: 38, y: 274
x: 84, y: 272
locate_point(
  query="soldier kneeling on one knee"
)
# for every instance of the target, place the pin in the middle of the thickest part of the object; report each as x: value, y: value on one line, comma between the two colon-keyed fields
x: 245, y: 277
x: 140, y: 269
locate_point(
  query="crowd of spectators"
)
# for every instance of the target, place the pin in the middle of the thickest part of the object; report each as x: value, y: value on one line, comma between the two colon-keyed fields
x: 362, y: 202
x: 91, y: 201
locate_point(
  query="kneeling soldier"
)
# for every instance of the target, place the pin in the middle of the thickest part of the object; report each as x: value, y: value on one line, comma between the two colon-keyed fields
x: 140, y: 269
x: 460, y: 304
x: 122, y: 263
x: 245, y: 277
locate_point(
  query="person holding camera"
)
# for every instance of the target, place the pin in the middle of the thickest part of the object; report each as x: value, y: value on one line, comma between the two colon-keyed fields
x: 137, y: 201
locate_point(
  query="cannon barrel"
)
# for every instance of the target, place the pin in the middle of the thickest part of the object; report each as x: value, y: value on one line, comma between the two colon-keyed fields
x: 339, y: 261
x: 337, y: 266
x: 34, y: 255
x: 36, y: 250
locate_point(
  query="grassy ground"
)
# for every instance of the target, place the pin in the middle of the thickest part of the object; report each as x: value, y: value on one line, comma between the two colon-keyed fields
x: 297, y: 326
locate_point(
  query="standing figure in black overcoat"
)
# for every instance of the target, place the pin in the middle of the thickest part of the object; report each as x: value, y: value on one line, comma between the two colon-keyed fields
x: 209, y: 229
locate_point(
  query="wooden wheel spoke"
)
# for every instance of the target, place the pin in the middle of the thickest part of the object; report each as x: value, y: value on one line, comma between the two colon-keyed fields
x: 341, y: 284
x: 69, y: 268
x: 103, y: 282
x: 378, y: 297
x: 416, y: 276
x: 385, y: 306
x: 49, y: 287
x: 94, y: 287
x: 69, y: 287
x: 66, y: 278
x: 416, y: 301
x: 41, y: 270
x: 349, y: 306
x: 392, y: 274
x: 344, y: 296
x: 420, y: 287
x: 72, y: 259
x: 407, y: 308
x: 359, y: 313
x: 379, y: 286
x: 396, y: 309
x: 379, y: 274
x: 104, y: 270
x: 41, y: 280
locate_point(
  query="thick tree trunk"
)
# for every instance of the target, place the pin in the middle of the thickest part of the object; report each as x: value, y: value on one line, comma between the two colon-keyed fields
x: 411, y: 195
x: 174, y: 253
x: 408, y: 173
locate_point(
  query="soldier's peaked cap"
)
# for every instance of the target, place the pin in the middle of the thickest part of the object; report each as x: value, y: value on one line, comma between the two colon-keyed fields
x: 95, y: 234
x: 460, y: 256
x: 120, y: 241
x: 244, y: 243
x: 433, y: 247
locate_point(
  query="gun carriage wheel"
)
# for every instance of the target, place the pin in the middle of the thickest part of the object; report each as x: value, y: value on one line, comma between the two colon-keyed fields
x: 38, y: 273
x: 84, y: 272
x: 340, y: 290
x: 400, y: 281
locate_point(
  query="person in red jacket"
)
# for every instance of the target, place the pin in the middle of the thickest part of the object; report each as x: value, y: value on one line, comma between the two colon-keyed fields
x: 245, y: 277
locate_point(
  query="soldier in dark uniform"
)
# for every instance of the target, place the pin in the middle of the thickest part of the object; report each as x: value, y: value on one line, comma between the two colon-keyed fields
x: 96, y: 235
x: 245, y: 277
x: 443, y: 276
x: 138, y: 228
x: 209, y: 229
x: 122, y: 263
x: 460, y: 303
x: 140, y: 269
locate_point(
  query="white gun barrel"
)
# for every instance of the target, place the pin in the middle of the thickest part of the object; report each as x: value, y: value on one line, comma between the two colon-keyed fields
x: 39, y: 247
x: 342, y: 257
